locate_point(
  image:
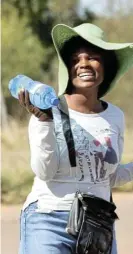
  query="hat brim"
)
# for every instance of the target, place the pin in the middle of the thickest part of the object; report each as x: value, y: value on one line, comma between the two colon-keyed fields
x: 62, y: 33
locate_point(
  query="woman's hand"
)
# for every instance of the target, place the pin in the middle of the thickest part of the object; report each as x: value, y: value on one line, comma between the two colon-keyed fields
x: 41, y: 114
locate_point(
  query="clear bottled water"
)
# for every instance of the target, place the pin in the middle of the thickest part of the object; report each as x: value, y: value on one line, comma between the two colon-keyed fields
x: 41, y: 95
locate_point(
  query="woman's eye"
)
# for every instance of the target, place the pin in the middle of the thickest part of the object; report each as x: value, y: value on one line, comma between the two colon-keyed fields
x: 94, y: 58
x: 74, y: 61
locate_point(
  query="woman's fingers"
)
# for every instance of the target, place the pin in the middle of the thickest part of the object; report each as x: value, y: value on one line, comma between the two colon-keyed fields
x: 27, y: 99
x: 21, y: 98
x: 24, y: 100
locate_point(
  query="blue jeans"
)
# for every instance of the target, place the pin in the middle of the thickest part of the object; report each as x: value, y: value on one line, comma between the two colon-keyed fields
x: 44, y: 233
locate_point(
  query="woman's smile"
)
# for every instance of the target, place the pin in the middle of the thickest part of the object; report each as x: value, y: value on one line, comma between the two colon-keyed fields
x: 86, y: 76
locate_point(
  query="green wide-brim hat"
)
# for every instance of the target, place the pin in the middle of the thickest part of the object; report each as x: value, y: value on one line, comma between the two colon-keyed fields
x: 62, y: 33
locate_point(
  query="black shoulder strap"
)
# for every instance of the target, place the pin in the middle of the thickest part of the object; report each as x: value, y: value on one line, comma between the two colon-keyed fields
x: 67, y: 130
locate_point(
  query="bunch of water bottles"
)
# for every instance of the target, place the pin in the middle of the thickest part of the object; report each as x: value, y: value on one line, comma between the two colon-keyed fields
x: 41, y: 95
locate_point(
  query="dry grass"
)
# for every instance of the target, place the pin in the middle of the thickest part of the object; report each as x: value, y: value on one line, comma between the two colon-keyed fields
x: 16, y: 173
x: 17, y: 176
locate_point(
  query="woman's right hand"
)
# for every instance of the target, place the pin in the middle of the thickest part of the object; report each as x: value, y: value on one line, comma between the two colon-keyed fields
x: 42, y: 114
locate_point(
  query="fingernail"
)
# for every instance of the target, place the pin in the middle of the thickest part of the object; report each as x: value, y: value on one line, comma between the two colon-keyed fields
x: 21, y: 90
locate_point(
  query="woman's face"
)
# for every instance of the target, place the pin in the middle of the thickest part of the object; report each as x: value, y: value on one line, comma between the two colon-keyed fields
x: 86, y: 68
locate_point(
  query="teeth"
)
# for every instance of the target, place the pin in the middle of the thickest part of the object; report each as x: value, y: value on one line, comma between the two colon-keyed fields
x: 86, y: 77
x: 85, y: 74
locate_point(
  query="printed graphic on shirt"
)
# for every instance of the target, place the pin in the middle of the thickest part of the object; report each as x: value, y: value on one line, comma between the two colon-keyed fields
x: 99, y: 157
x: 95, y: 155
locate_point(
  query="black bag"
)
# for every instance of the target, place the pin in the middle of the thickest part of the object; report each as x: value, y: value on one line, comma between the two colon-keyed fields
x: 91, y: 221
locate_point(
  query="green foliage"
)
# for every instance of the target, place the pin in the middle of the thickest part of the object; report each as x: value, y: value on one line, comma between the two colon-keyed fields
x: 21, y: 50
x: 43, y: 15
x: 122, y: 94
x: 27, y: 46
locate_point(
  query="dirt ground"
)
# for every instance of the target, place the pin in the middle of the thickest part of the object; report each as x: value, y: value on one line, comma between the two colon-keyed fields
x: 124, y: 227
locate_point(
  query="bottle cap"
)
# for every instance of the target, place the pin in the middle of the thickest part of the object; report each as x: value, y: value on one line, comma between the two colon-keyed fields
x: 55, y: 101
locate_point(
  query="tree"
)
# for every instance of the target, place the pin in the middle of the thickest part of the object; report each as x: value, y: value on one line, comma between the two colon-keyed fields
x: 26, y: 44
x: 21, y: 50
x: 43, y: 15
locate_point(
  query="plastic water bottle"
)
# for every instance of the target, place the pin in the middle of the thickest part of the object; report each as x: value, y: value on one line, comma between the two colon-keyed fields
x: 41, y: 95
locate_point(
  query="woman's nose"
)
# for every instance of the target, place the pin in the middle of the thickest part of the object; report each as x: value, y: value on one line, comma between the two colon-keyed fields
x: 84, y: 63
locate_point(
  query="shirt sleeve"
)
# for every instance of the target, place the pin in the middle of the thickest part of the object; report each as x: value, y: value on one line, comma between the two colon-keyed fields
x: 43, y: 148
x: 124, y: 172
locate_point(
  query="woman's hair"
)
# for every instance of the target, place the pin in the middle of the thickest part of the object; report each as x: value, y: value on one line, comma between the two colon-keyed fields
x: 109, y: 60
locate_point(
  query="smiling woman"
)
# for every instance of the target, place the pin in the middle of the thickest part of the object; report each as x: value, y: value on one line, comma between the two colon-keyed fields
x: 76, y: 149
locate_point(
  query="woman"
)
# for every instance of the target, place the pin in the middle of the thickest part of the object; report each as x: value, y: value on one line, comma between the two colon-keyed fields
x: 88, y: 68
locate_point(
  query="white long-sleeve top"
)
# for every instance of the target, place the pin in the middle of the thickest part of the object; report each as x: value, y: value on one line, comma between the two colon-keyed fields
x: 98, y: 140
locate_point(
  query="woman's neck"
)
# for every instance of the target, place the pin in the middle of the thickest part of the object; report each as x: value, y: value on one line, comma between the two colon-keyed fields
x: 88, y: 104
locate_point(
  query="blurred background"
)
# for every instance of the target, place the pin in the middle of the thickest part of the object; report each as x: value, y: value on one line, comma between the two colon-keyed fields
x: 27, y: 49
